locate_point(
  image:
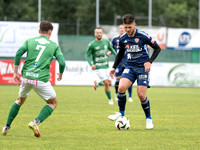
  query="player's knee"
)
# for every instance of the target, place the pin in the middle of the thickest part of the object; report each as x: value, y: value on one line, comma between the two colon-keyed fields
x: 141, y: 96
x: 20, y: 100
x: 121, y: 89
x: 53, y: 102
x: 106, y: 83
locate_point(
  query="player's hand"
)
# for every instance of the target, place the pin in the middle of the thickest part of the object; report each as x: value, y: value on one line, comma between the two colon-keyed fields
x: 59, y: 76
x: 16, y: 79
x: 109, y: 53
x: 112, y: 72
x: 93, y: 67
x: 147, y: 66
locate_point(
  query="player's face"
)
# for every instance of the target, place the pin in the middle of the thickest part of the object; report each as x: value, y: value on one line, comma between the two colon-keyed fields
x: 130, y: 28
x: 98, y: 33
x: 121, y: 29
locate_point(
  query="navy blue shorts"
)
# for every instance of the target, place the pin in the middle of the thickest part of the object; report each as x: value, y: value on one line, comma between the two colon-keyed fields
x: 133, y: 73
x: 119, y: 70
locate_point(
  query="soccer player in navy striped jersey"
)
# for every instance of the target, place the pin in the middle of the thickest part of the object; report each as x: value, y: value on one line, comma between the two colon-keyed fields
x: 138, y: 66
x: 120, y: 68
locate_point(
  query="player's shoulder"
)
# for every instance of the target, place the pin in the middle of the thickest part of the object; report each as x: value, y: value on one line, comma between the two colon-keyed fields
x: 91, y: 43
x: 116, y: 38
x: 123, y: 36
x: 142, y: 33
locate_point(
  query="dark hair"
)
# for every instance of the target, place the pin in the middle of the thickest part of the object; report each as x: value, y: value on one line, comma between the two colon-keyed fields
x: 45, y: 26
x: 128, y: 19
x: 98, y: 28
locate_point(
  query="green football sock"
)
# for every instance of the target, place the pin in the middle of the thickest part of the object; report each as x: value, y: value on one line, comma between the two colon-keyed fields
x: 12, y: 113
x: 108, y: 94
x: 100, y: 83
x: 45, y: 113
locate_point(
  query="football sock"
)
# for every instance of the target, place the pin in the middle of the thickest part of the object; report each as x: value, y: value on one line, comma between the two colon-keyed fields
x: 130, y: 91
x: 116, y: 85
x: 108, y: 95
x: 100, y: 83
x: 45, y: 113
x: 12, y: 113
x: 37, y: 121
x: 146, y: 107
x: 122, y: 102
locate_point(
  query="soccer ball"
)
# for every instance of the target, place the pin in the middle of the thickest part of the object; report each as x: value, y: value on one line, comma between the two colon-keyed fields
x: 122, y: 123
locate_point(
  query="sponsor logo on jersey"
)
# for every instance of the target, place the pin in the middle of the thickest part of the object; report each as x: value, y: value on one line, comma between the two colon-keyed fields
x: 98, y: 47
x: 105, y: 47
x: 101, y: 64
x: 100, y: 58
x: 127, y: 46
x: 137, y: 40
x: 42, y: 41
x: 133, y: 48
x: 31, y: 74
x: 101, y: 52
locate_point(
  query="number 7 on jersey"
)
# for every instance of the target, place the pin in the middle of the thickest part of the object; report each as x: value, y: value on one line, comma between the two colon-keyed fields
x: 38, y: 47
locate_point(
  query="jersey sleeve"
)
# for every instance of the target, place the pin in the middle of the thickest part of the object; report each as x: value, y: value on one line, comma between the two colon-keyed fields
x: 111, y: 49
x: 58, y: 52
x: 150, y: 41
x: 20, y: 52
x: 88, y: 53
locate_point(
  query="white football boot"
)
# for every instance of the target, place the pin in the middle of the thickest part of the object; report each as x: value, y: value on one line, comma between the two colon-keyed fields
x: 115, y: 116
x: 130, y: 99
x: 110, y: 102
x: 149, y: 124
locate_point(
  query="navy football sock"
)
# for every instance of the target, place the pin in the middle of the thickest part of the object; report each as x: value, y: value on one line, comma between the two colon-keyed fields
x: 130, y: 91
x: 146, y: 107
x: 122, y: 102
x: 116, y: 85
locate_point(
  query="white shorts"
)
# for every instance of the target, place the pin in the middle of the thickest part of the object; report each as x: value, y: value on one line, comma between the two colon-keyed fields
x: 43, y: 89
x: 103, y: 74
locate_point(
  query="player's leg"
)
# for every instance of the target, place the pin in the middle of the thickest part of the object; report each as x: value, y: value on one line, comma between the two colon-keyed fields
x: 107, y: 91
x: 13, y: 113
x: 46, y: 91
x: 124, y: 84
x: 130, y: 94
x: 143, y: 82
x: 24, y: 91
x: 116, y: 86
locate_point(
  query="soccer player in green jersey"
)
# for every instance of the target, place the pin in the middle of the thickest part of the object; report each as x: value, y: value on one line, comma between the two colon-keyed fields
x: 35, y: 75
x: 100, y: 49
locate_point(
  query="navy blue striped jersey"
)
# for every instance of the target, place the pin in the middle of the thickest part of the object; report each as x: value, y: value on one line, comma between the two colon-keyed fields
x: 135, y: 47
x: 115, y: 45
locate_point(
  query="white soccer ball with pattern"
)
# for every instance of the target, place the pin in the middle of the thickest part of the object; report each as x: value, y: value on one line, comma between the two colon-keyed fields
x: 122, y: 123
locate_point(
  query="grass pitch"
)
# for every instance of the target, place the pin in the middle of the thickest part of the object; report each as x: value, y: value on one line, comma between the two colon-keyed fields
x: 80, y: 120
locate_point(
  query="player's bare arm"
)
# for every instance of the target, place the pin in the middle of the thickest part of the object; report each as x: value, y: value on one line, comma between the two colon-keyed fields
x: 59, y: 76
x: 112, y: 72
x: 147, y: 66
x: 16, y: 77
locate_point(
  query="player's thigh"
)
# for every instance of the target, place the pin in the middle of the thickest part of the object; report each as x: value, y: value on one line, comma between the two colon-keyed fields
x: 124, y: 84
x: 45, y: 90
x: 141, y: 91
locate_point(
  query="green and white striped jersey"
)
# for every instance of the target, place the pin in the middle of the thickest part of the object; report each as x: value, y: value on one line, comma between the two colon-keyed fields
x: 99, y: 50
